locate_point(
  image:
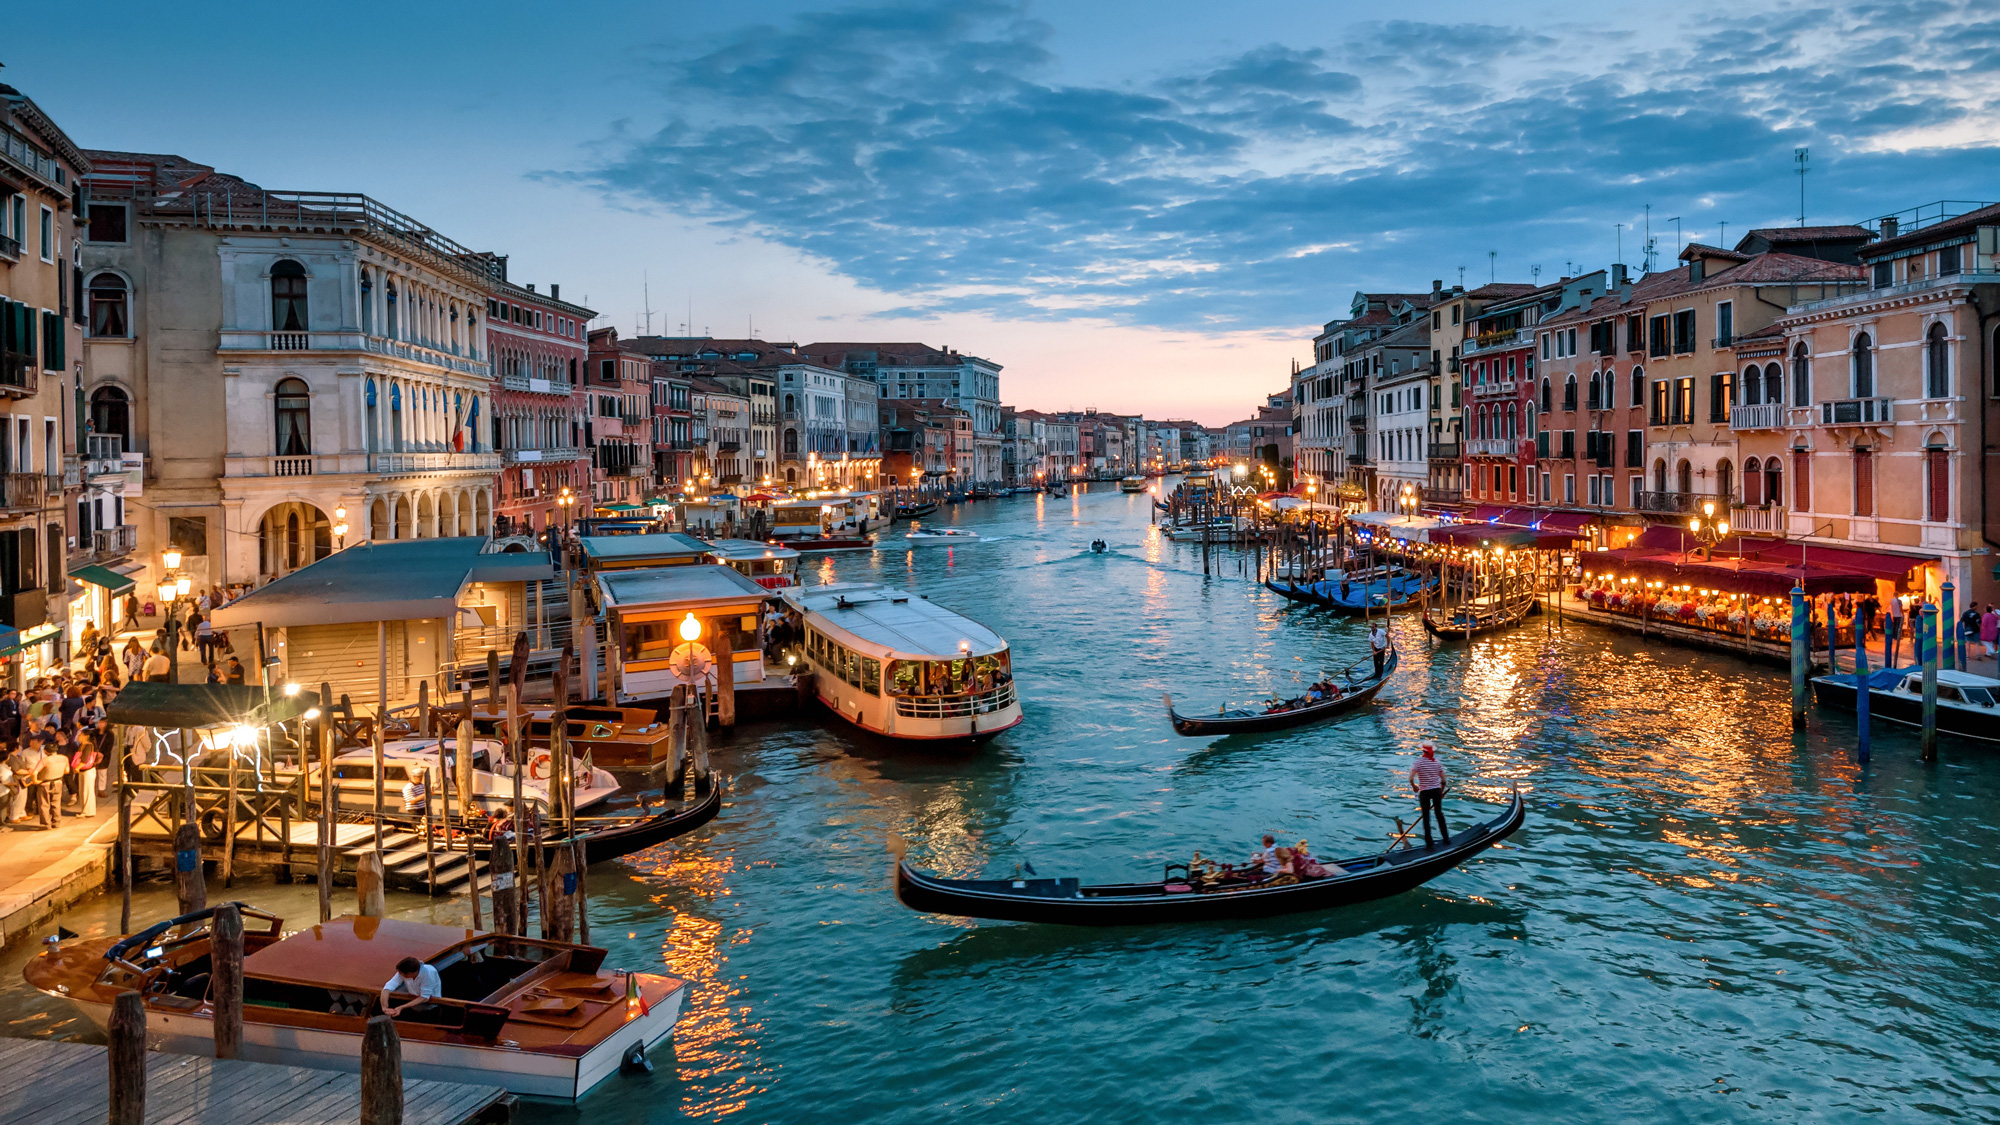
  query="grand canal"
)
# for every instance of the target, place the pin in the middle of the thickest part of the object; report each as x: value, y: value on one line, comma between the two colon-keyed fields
x: 1706, y: 917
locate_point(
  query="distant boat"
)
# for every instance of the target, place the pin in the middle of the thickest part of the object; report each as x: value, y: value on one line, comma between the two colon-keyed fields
x: 1355, y: 692
x: 1132, y: 484
x: 915, y: 511
x: 927, y: 535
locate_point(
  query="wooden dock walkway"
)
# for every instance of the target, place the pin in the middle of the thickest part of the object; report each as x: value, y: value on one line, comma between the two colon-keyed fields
x: 52, y: 1083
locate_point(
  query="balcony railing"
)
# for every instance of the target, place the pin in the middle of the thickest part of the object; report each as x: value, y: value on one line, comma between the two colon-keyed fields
x: 1445, y: 450
x: 539, y: 456
x: 1495, y: 390
x: 239, y: 340
x: 1763, y: 416
x: 1857, y: 411
x: 110, y: 541
x: 1442, y: 495
x: 22, y: 492
x: 1491, y: 447
x: 1491, y: 341
x: 10, y: 247
x: 535, y: 386
x: 292, y: 466
x: 1671, y: 501
x: 1770, y: 518
x: 389, y: 464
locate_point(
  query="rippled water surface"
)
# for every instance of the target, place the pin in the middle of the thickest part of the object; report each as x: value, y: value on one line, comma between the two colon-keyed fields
x: 1706, y: 917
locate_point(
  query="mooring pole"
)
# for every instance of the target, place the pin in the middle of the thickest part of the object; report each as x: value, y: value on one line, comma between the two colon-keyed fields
x: 324, y: 749
x: 1799, y: 647
x: 226, y: 979
x: 1927, y: 654
x: 1948, y: 623
x: 381, y: 1073
x: 125, y: 1051
x: 1861, y: 685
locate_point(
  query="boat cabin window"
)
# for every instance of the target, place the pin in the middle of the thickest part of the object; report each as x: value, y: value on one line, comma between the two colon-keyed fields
x: 1949, y: 694
x: 365, y: 771
x: 864, y: 672
x: 964, y: 676
x: 1977, y: 696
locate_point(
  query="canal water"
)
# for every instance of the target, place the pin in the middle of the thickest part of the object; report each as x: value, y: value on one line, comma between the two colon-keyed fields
x: 1705, y: 918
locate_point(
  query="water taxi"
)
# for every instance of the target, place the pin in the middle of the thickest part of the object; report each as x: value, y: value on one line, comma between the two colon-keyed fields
x: 773, y: 566
x: 1967, y: 705
x: 926, y: 535
x: 1133, y: 484
x: 492, y: 777
x: 538, y: 1017
x: 893, y: 663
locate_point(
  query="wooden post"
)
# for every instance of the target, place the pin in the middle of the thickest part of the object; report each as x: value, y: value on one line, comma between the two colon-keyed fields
x: 229, y: 823
x: 464, y: 772
x: 226, y: 979
x: 381, y: 1073
x: 188, y: 885
x: 1927, y: 655
x: 381, y: 718
x: 1861, y: 699
x: 1800, y: 643
x: 516, y: 723
x: 368, y: 876
x: 125, y: 1050
x: 1946, y: 594
x: 559, y: 722
x: 493, y: 682
x: 725, y: 677
x: 324, y: 730
x: 500, y: 865
x: 123, y: 796
x: 423, y: 708
x: 559, y: 897
x: 541, y: 878
x: 582, y: 862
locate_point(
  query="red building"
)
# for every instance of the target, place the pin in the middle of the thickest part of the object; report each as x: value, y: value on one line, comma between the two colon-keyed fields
x: 618, y: 418
x: 538, y: 343
x: 1497, y: 367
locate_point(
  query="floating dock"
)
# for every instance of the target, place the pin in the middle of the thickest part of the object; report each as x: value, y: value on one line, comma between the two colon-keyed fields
x: 53, y: 1083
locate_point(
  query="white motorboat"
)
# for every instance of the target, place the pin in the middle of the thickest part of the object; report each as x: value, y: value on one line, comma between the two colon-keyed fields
x: 922, y: 535
x: 492, y: 775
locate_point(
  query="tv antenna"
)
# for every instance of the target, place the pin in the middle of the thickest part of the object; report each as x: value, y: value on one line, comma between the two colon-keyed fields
x: 1492, y: 269
x: 646, y: 281
x: 1535, y: 271
x: 1799, y: 157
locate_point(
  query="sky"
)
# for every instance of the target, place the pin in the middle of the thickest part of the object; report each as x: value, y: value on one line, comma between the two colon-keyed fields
x: 1145, y: 207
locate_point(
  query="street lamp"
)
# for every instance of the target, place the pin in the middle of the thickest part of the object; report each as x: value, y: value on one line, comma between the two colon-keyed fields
x: 173, y: 587
x: 1708, y: 530
x: 340, y: 526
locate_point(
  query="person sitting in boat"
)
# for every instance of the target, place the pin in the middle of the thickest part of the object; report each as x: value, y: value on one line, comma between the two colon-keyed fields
x: 414, y: 979
x: 1305, y: 866
x: 1264, y: 862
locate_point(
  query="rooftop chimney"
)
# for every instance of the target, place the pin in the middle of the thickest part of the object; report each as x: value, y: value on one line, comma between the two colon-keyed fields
x: 1437, y: 285
x: 1619, y: 276
x: 555, y: 291
x: 1889, y: 228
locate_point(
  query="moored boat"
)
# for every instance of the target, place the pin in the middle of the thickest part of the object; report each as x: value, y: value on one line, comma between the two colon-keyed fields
x: 537, y: 1017
x: 1968, y: 706
x: 898, y: 665
x: 773, y: 566
x: 918, y: 510
x: 1466, y: 622
x: 1376, y: 591
x: 1186, y: 897
x: 492, y: 776
x: 1354, y: 692
x: 1133, y: 484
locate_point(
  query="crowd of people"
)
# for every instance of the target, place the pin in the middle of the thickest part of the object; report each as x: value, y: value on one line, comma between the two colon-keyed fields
x: 56, y: 740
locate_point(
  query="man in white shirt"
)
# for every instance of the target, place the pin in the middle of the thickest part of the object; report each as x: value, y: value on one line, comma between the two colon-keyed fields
x: 159, y: 668
x: 415, y: 979
x: 1378, y: 645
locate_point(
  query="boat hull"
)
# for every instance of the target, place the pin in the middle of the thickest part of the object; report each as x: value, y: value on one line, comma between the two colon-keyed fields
x: 1908, y: 710
x: 1062, y: 902
x: 519, y: 1072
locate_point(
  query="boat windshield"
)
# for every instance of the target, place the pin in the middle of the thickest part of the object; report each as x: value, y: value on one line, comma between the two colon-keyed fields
x: 961, y: 676
x: 1978, y: 696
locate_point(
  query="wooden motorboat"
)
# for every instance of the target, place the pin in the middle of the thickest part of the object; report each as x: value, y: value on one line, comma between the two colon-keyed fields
x: 622, y: 739
x: 611, y: 834
x: 1179, y: 898
x: 1466, y: 622
x: 492, y: 776
x: 537, y: 1017
x: 1968, y: 706
x: 1355, y: 693
x: 822, y: 544
x: 915, y: 511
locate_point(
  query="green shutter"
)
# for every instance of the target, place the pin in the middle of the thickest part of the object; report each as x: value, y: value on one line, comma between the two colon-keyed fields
x: 53, y: 341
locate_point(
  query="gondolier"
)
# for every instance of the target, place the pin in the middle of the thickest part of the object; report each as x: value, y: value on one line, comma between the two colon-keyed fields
x: 1378, y: 644
x: 1427, y: 778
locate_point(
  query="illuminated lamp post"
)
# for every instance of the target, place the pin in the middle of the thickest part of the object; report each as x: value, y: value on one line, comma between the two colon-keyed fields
x: 1707, y: 530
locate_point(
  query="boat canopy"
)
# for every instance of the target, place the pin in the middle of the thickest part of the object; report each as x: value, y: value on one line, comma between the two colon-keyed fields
x: 351, y: 953
x: 895, y: 621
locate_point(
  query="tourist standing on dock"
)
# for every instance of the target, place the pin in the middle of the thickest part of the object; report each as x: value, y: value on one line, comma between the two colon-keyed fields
x: 1892, y: 631
x: 1989, y: 630
x: 1427, y: 779
x: 1378, y: 645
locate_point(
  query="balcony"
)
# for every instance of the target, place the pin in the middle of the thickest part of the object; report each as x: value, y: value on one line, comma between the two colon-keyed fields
x: 396, y: 464
x: 539, y: 456
x: 103, y: 455
x: 22, y: 492
x: 1857, y: 411
x: 1495, y: 390
x: 1497, y: 341
x: 240, y: 340
x: 1445, y: 451
x: 1764, y: 416
x: 1442, y: 495
x: 1766, y: 519
x: 1357, y: 458
x: 110, y: 542
x: 1671, y: 502
x: 531, y: 385
x: 1357, y: 420
x: 1491, y: 447
x: 10, y: 247
x: 292, y: 466
x: 728, y: 446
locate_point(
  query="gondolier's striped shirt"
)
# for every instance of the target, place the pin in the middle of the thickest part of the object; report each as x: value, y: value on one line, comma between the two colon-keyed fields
x: 1428, y: 773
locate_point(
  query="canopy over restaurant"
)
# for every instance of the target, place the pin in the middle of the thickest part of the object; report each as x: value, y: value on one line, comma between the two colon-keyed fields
x: 1746, y: 565
x: 1514, y: 528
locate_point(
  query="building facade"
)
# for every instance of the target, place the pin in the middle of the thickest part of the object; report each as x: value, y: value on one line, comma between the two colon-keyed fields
x: 618, y: 420
x: 918, y: 372
x: 539, y: 345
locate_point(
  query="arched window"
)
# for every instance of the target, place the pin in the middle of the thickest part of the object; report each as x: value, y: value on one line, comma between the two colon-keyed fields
x: 1801, y: 377
x: 1638, y: 387
x: 294, y: 409
x: 1864, y: 366
x: 1659, y: 475
x: 1725, y: 482
x: 1569, y: 391
x: 1774, y: 482
x: 1595, y: 394
x: 1937, y: 363
x: 111, y: 413
x: 1753, y: 483
x: 1684, y: 476
x: 389, y: 313
x: 1545, y: 394
x: 110, y: 307
x: 791, y: 441
x: 1753, y: 387
x: 367, y: 303
x: 1774, y: 384
x: 288, y: 297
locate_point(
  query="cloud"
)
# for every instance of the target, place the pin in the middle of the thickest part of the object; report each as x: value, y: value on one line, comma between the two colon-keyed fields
x: 932, y: 152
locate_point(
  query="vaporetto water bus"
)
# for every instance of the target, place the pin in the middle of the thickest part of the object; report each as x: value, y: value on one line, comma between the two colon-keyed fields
x: 896, y: 664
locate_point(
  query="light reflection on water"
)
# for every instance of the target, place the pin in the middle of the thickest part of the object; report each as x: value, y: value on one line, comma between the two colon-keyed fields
x: 1707, y: 917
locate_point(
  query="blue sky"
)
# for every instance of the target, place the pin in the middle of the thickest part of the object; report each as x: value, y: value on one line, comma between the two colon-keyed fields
x: 1135, y: 206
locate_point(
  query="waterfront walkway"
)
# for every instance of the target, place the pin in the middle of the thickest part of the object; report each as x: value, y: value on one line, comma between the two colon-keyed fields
x: 65, y: 1084
x: 43, y: 871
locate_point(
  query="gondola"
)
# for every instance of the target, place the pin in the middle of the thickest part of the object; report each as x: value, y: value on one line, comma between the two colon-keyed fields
x: 1174, y: 899
x: 915, y: 511
x: 610, y: 837
x: 1356, y: 693
x: 1324, y: 594
x: 1480, y: 623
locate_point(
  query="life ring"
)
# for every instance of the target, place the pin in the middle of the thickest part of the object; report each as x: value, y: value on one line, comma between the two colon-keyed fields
x: 539, y: 766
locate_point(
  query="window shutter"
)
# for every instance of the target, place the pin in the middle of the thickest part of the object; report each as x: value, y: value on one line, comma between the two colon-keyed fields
x: 1864, y: 482
x: 1801, y: 480
x: 1937, y: 473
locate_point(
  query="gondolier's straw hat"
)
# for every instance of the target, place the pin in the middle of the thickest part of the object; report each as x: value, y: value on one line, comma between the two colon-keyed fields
x: 1428, y: 746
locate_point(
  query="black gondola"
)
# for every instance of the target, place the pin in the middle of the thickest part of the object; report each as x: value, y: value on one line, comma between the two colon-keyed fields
x: 1306, y: 594
x: 610, y: 837
x: 1064, y: 902
x: 1242, y: 721
x: 915, y: 511
x: 1466, y: 623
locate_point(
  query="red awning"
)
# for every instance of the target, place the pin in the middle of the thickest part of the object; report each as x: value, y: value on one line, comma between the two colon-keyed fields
x: 1487, y: 513
x: 1731, y: 575
x: 1570, y: 522
x: 1792, y: 553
